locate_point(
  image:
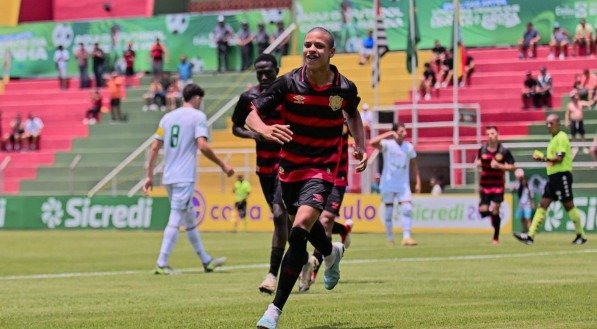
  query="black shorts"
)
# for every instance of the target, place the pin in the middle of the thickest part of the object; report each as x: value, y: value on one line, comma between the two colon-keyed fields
x: 129, y: 71
x: 241, y: 206
x: 272, y: 190
x: 487, y: 198
x: 312, y: 192
x: 115, y: 102
x: 577, y: 127
x: 334, y: 201
x: 559, y: 187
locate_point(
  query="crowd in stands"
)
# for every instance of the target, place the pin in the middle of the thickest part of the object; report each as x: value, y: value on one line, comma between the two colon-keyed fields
x: 20, y: 131
x: 584, y: 41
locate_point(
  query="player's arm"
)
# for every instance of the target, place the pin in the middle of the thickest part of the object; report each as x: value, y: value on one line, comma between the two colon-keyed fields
x: 267, y: 102
x: 238, y: 121
x: 156, y: 145
x: 376, y: 141
x: 567, y: 116
x: 355, y: 125
x: 508, y: 164
x: 415, y: 167
x: 478, y: 159
x: 209, y: 153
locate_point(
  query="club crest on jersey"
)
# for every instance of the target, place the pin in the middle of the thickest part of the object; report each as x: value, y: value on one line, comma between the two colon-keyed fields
x: 281, y: 170
x: 499, y: 157
x: 336, y: 102
x: 299, y: 99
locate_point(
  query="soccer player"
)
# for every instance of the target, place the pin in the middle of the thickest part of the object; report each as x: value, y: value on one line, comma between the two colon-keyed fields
x: 268, y: 155
x: 181, y: 132
x: 315, y: 99
x: 399, y: 156
x: 242, y: 189
x: 559, y: 186
x: 330, y: 212
x: 493, y: 159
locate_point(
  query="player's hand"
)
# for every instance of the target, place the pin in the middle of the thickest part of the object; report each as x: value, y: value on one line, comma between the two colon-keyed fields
x: 494, y: 164
x: 228, y: 170
x: 277, y: 133
x: 148, y: 186
x: 362, y: 157
x: 478, y: 163
x: 538, y: 155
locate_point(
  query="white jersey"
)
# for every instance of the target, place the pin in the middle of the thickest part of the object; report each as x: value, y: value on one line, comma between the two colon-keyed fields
x: 179, y: 131
x: 395, y: 176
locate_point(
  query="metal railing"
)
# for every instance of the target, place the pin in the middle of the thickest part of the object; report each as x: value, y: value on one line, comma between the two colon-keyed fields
x: 71, y: 173
x: 461, y: 162
x: 3, y: 166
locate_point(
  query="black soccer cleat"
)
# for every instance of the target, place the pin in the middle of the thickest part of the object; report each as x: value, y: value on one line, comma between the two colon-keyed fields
x: 524, y: 238
x: 579, y: 240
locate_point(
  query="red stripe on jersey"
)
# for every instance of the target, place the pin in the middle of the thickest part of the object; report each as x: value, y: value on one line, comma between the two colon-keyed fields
x: 312, y: 100
x: 305, y: 174
x: 267, y: 170
x: 314, y: 142
x: 491, y: 190
x: 311, y: 121
x: 305, y: 160
x: 268, y: 154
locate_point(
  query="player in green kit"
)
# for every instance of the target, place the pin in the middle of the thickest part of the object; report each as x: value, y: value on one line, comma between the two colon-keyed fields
x: 559, y: 187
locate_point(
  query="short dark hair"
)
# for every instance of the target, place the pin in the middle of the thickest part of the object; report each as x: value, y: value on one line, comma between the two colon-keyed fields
x: 395, y: 126
x: 491, y: 127
x: 191, y: 90
x: 266, y: 58
x: 324, y: 30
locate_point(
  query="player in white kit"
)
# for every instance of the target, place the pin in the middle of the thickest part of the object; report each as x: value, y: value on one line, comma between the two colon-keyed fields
x: 398, y: 157
x: 181, y: 132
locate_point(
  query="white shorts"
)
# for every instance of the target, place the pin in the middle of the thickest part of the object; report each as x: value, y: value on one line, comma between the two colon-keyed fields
x: 180, y: 195
x: 390, y: 197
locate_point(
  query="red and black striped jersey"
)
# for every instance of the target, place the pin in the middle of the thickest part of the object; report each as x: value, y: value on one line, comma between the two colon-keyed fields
x: 315, y: 117
x: 341, y: 175
x: 492, y: 180
x: 268, y: 153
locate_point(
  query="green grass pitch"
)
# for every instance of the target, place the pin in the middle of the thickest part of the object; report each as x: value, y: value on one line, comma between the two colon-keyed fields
x: 103, y: 279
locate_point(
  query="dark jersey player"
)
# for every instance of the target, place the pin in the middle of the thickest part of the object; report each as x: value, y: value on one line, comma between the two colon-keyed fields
x: 315, y: 99
x: 493, y: 159
x: 268, y: 155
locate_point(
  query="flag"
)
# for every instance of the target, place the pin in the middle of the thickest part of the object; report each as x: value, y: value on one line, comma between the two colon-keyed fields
x: 458, y: 50
x: 413, y: 37
x: 381, y: 44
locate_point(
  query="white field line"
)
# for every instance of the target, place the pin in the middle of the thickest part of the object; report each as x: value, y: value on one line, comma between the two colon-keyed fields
x: 345, y: 262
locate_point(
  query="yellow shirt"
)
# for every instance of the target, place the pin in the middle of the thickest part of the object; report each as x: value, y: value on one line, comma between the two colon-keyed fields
x: 559, y: 144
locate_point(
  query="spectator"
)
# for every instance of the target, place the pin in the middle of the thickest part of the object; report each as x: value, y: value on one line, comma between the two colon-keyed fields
x: 185, y: 71
x: 261, y: 38
x: 284, y: 45
x: 14, y: 137
x: 61, y: 58
x: 366, y: 48
x: 529, y: 40
x: 559, y: 42
x: 594, y: 148
x: 583, y: 38
x: 92, y: 114
x: 526, y: 203
x: 158, y: 54
x: 447, y: 69
x: 246, y: 46
x: 428, y: 82
x: 367, y: 119
x: 154, y: 96
x: 129, y: 59
x: 99, y: 62
x: 174, y: 94
x: 469, y: 69
x: 82, y: 59
x: 222, y: 36
x: 544, y: 88
x: 115, y: 89
x: 33, y: 128
x: 436, y: 187
x: 587, y: 85
x: 529, y: 91
x: 574, y: 119
x: 436, y: 53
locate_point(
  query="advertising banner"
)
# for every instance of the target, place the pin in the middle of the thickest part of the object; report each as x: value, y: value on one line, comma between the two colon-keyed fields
x: 484, y: 22
x: 78, y: 212
x: 31, y: 46
x: 446, y: 213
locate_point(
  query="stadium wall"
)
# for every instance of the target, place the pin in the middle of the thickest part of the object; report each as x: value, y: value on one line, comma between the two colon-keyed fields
x: 95, y: 9
x: 9, y: 15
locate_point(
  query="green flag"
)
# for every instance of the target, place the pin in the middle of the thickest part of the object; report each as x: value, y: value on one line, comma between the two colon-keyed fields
x: 413, y: 37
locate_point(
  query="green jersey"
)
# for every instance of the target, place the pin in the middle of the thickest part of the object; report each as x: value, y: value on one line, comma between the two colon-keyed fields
x: 241, y: 190
x: 559, y: 144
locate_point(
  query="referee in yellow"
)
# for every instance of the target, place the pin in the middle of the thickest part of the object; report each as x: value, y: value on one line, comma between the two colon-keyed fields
x: 559, y: 185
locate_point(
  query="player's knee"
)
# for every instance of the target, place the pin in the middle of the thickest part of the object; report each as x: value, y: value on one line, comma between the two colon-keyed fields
x: 484, y: 212
x: 297, y: 241
x: 406, y: 209
x: 280, y: 215
x: 189, y: 220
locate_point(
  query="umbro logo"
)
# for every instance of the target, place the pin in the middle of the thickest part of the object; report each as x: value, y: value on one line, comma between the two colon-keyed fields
x: 317, y: 198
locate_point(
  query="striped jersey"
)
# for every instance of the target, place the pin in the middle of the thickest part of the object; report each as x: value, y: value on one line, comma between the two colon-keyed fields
x: 268, y: 153
x: 315, y: 117
x: 492, y: 180
x: 179, y: 131
x: 341, y: 175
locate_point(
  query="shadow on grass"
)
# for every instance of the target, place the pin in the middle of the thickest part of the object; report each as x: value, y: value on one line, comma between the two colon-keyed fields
x: 346, y: 326
x: 343, y: 282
